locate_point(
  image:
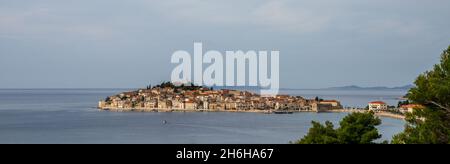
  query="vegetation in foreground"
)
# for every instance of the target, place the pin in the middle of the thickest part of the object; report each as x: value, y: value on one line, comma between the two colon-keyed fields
x: 430, y: 125
x: 356, y: 128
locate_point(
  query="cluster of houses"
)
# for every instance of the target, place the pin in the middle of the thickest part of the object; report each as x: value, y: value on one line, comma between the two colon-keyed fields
x: 382, y: 106
x: 202, y: 98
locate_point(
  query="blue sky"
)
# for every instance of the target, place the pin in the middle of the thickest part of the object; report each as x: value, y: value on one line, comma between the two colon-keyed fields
x: 122, y: 44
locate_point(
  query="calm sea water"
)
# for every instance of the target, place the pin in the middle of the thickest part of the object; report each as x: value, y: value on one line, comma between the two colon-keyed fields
x: 69, y: 116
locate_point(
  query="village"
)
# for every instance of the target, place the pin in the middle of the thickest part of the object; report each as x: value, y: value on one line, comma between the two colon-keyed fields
x: 168, y: 97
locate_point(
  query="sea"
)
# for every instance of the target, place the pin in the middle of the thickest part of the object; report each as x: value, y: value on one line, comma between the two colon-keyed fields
x: 69, y: 116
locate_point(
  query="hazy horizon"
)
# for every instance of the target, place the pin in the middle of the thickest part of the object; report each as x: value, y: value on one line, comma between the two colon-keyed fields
x: 324, y: 88
x: 128, y: 44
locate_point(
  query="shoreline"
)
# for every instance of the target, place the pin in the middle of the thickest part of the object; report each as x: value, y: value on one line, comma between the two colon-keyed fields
x: 379, y: 114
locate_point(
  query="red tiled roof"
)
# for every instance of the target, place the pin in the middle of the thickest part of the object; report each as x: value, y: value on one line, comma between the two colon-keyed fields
x: 377, y: 102
x: 329, y: 101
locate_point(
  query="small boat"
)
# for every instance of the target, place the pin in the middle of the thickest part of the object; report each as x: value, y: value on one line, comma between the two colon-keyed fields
x: 268, y: 112
x: 164, y: 122
x: 283, y: 112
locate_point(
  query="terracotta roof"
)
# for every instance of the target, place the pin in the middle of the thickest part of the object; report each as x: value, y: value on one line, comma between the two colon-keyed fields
x: 329, y: 101
x: 377, y: 102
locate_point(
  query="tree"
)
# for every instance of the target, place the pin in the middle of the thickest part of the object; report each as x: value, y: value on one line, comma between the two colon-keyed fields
x: 432, y: 124
x: 400, y: 103
x: 426, y: 126
x: 320, y: 134
x: 356, y: 128
x: 359, y: 128
x: 318, y: 99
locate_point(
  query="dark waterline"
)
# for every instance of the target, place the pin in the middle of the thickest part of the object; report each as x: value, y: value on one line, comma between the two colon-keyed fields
x: 69, y: 116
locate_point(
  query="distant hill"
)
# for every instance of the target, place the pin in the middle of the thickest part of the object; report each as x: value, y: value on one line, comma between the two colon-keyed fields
x: 238, y: 87
x: 355, y: 87
x: 350, y: 87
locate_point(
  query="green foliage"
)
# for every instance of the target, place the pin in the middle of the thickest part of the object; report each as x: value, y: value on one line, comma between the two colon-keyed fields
x: 433, y: 87
x: 320, y: 134
x: 427, y: 126
x: 356, y: 128
x: 400, y: 103
x: 318, y: 99
x: 169, y: 84
x: 432, y: 124
x: 359, y: 128
x: 108, y: 100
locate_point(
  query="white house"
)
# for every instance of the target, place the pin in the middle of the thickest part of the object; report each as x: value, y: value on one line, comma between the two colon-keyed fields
x: 378, y: 105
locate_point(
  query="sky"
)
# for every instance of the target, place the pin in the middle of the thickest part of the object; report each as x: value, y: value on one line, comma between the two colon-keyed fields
x: 128, y: 44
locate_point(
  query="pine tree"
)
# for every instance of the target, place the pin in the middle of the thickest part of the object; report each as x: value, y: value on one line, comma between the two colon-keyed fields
x: 356, y: 128
x: 430, y: 125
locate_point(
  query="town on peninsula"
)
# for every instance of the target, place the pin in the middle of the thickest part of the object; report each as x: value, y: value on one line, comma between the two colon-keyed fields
x: 168, y: 97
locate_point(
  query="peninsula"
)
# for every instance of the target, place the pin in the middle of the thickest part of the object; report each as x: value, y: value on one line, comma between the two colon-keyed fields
x: 168, y: 97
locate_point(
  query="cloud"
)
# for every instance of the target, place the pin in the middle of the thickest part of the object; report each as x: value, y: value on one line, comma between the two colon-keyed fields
x: 16, y: 21
x: 198, y: 11
x: 400, y: 27
x: 278, y: 14
x: 269, y: 14
x: 40, y: 22
x: 284, y: 16
x: 292, y: 16
x: 93, y: 32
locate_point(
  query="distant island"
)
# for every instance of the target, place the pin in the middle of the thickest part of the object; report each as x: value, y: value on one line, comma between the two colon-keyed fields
x: 349, y: 87
x: 355, y: 87
x: 167, y: 97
